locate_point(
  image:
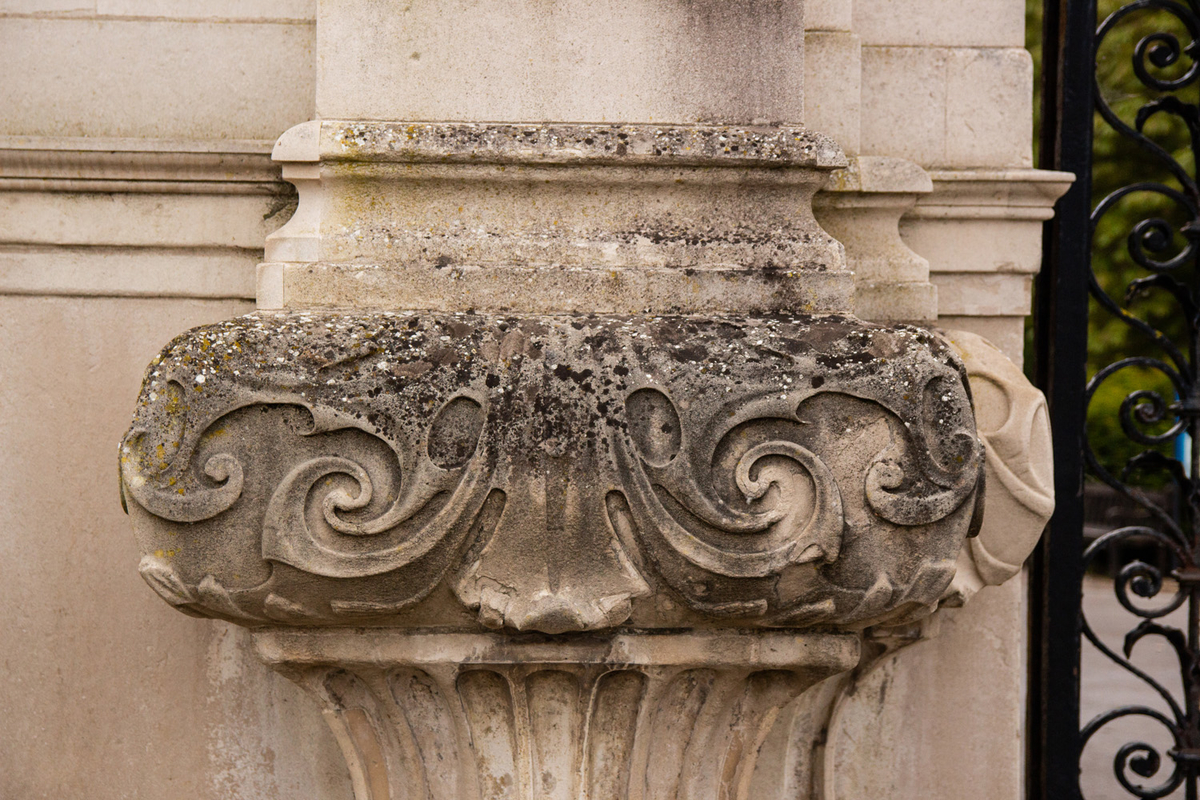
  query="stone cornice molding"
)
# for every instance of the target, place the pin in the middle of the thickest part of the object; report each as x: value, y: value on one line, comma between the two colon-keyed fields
x: 159, y: 166
x: 1015, y: 194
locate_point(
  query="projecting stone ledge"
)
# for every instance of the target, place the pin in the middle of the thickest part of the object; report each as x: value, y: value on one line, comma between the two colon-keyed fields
x: 553, y: 473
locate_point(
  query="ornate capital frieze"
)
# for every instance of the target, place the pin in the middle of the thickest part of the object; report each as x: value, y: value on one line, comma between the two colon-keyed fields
x: 554, y: 473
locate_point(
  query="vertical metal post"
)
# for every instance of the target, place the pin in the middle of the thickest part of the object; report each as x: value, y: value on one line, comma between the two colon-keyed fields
x: 1060, y: 325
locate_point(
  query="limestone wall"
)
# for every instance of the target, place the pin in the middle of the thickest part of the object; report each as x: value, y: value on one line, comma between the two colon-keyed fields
x: 135, y: 195
x: 155, y: 69
x: 109, y: 246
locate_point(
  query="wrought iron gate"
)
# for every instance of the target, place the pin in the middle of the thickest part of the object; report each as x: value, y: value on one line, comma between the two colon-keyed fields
x: 1157, y: 566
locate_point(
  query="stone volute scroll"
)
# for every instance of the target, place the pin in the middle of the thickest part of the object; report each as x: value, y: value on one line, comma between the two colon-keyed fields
x: 554, y: 463
x: 1014, y: 425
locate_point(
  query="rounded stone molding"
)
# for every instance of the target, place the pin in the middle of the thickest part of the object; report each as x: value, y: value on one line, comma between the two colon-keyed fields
x: 861, y: 206
x: 1014, y: 426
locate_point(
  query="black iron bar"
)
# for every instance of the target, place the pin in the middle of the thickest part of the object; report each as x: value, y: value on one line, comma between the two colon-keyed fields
x: 1060, y: 320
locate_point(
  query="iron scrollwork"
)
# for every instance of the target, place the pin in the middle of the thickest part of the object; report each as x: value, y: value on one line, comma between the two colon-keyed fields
x: 1152, y: 418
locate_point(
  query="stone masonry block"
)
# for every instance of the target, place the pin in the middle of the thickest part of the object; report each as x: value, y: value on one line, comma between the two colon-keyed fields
x: 135, y: 220
x: 904, y: 89
x: 640, y: 61
x: 948, y: 107
x: 972, y: 295
x: 982, y: 245
x: 67, y: 77
x: 302, y: 10
x: 946, y: 23
x: 828, y: 15
x: 833, y: 86
x: 80, y: 7
x: 140, y: 272
x: 989, y: 108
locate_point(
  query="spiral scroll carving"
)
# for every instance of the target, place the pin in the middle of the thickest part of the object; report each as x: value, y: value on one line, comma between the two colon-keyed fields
x: 752, y: 492
x: 553, y: 472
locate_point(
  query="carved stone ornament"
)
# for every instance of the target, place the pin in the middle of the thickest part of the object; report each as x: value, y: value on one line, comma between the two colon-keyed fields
x: 552, y: 471
x: 539, y: 481
x: 1014, y: 424
x: 486, y: 717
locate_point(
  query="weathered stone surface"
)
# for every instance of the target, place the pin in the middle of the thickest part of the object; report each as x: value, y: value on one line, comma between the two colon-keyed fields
x: 621, y: 290
x: 307, y: 467
x: 564, y: 143
x: 553, y: 218
x: 485, y: 716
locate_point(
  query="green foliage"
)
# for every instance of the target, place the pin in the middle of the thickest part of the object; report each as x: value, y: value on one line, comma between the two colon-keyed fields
x: 1120, y: 162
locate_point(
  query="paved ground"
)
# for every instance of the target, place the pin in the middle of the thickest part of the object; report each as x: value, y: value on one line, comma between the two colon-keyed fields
x: 1106, y: 685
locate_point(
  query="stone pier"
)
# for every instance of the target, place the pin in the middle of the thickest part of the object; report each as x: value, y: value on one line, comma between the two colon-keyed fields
x: 615, y: 421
